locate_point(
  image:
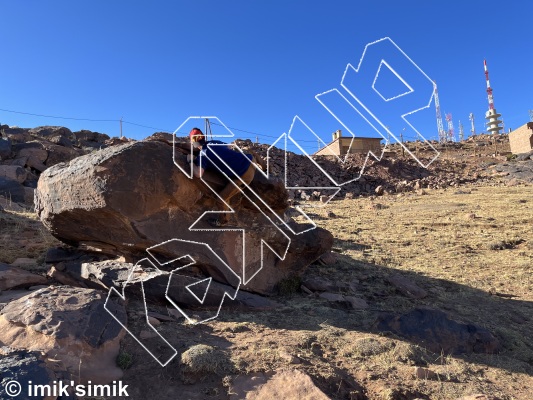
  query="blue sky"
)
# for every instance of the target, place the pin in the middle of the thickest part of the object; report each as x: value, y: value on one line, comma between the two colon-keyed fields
x: 253, y: 64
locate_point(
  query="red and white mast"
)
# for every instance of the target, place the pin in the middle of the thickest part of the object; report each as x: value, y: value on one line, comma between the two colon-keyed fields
x: 493, y: 124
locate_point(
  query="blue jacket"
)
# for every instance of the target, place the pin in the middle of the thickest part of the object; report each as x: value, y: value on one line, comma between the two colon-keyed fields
x: 213, y: 149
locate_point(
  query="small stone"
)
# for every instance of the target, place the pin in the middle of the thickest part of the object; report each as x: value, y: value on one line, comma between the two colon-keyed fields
x: 336, y: 297
x: 37, y: 287
x: 154, y: 321
x: 424, y: 373
x: 289, y: 358
x: 305, y: 290
x: 24, y: 262
x: 145, y: 334
x: 356, y: 303
x: 407, y: 287
x: 328, y: 258
x: 379, y: 190
x: 176, y: 314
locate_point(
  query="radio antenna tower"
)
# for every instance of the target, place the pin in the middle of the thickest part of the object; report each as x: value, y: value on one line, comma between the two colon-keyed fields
x: 451, y: 134
x: 473, y: 128
x: 461, y: 132
x: 440, y: 125
x: 493, y: 123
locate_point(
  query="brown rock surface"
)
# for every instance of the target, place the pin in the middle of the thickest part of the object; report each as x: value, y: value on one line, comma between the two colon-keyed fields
x: 70, y: 325
x: 433, y: 330
x: 126, y: 199
x: 291, y: 384
x: 12, y: 277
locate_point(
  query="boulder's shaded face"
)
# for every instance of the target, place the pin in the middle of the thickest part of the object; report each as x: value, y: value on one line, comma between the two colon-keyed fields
x: 125, y: 199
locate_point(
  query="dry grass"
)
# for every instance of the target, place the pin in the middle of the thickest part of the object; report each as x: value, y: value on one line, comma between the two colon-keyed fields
x: 205, y: 359
x: 472, y: 253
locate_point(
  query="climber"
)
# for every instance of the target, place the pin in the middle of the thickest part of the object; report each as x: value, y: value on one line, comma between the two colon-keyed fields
x: 217, y: 156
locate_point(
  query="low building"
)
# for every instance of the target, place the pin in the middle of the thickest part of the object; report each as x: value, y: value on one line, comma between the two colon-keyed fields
x: 521, y: 139
x: 340, y: 145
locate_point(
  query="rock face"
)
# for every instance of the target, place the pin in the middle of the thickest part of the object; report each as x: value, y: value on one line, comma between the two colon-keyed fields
x: 125, y: 199
x: 70, y: 325
x: 434, y: 330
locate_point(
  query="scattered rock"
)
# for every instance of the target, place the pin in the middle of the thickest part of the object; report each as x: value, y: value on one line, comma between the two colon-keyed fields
x: 379, y: 190
x: 333, y: 297
x: 24, y: 262
x: 112, y: 273
x: 376, y: 206
x: 356, y: 303
x: 407, y: 287
x: 433, y: 330
x: 318, y: 284
x: 291, y: 384
x: 328, y: 258
x: 513, y: 182
x: 478, y: 397
x: 424, y: 373
x: 289, y: 358
x: 13, y: 277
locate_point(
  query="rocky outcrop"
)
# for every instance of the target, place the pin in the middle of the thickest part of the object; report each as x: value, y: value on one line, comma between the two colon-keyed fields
x: 26, y: 153
x: 126, y: 199
x: 69, y: 325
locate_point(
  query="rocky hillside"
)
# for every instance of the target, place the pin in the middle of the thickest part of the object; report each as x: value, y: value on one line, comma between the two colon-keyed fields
x: 26, y: 153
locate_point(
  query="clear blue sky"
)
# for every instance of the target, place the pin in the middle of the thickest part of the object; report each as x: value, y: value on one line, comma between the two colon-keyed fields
x: 253, y: 64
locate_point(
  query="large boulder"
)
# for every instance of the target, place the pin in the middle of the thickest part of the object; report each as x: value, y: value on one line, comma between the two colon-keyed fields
x: 126, y: 199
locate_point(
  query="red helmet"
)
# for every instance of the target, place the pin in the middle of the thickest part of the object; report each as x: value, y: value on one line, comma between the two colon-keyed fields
x: 196, y: 135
